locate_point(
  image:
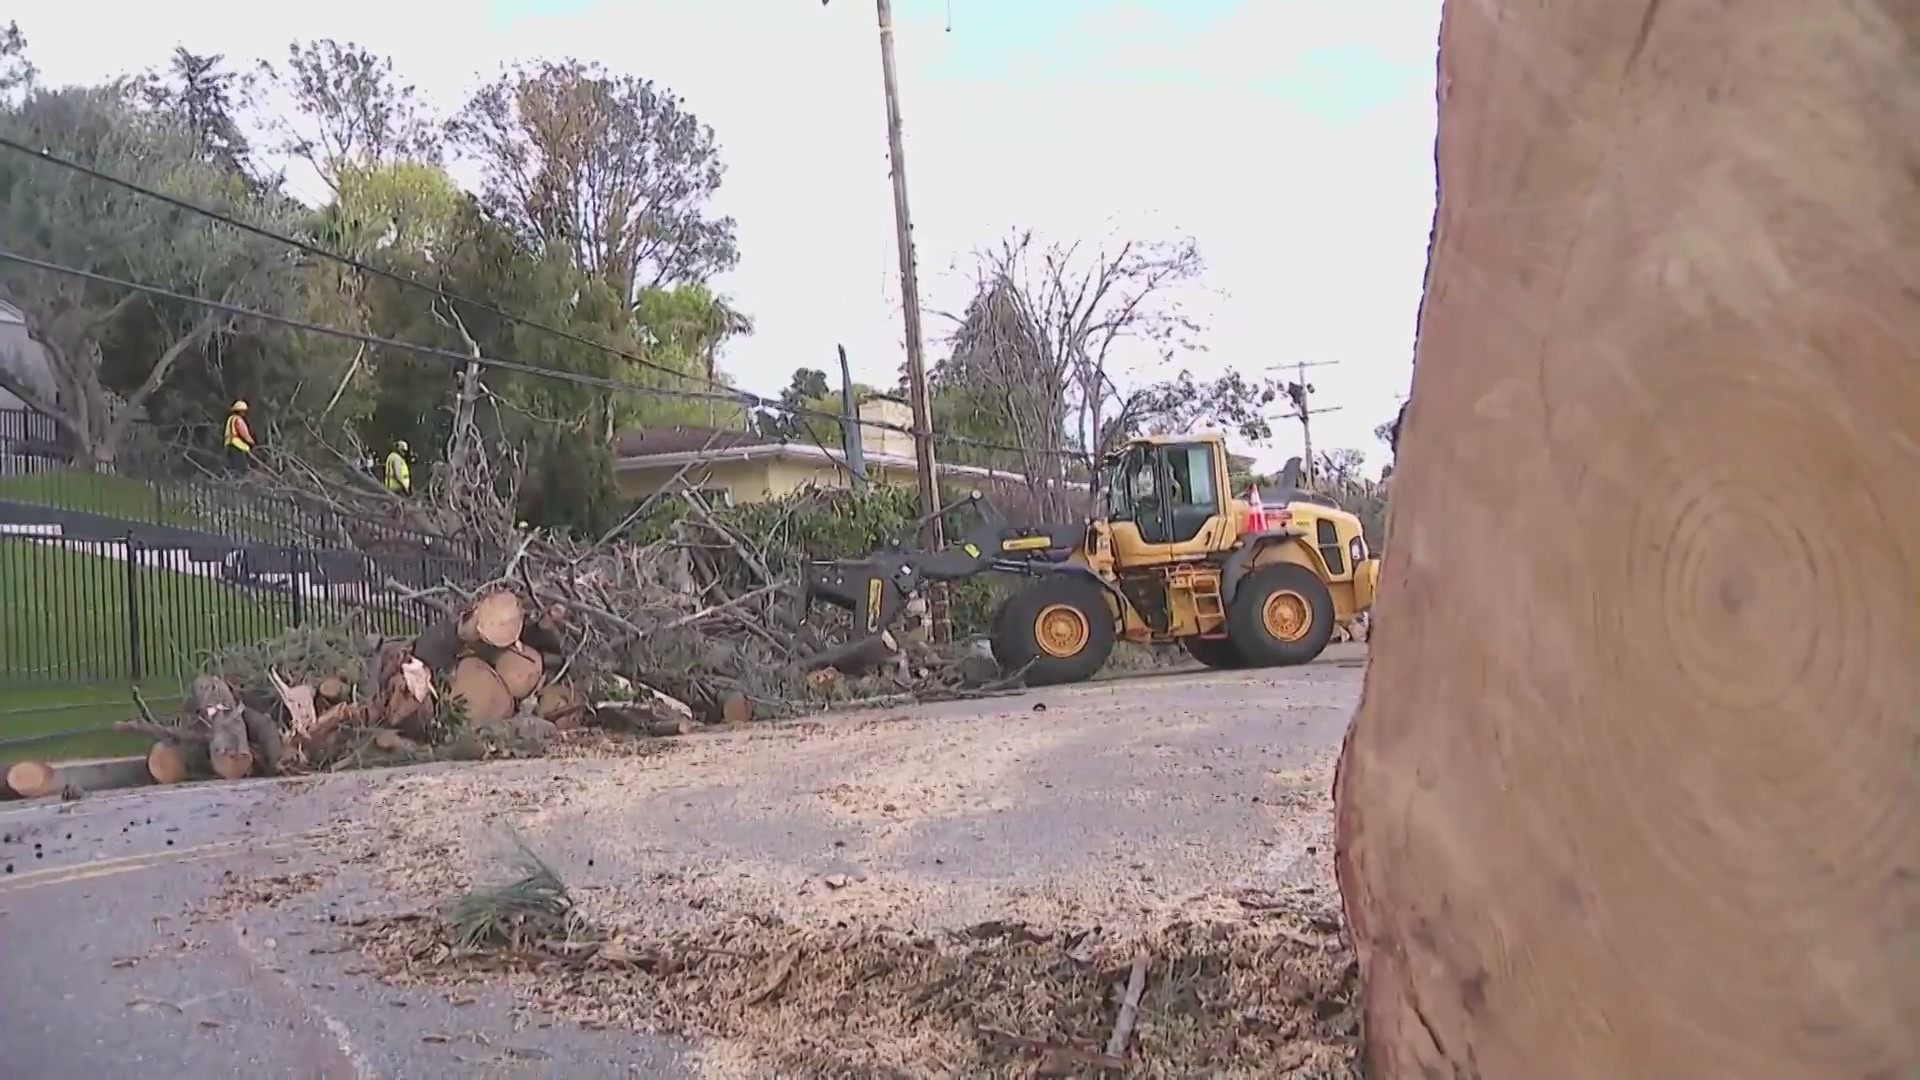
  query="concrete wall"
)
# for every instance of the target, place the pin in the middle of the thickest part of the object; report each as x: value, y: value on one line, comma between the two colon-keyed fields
x: 883, y: 440
x: 787, y: 475
x: 754, y: 481
x: 23, y: 358
x: 743, y: 481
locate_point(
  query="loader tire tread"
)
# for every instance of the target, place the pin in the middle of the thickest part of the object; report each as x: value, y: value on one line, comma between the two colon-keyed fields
x: 1016, y: 642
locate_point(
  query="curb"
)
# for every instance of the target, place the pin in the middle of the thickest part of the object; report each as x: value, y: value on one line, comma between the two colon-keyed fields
x: 102, y: 774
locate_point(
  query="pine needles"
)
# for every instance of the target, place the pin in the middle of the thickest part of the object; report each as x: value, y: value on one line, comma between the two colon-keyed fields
x: 532, y: 908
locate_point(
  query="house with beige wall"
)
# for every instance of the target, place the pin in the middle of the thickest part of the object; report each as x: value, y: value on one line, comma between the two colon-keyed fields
x: 739, y: 466
x: 23, y: 358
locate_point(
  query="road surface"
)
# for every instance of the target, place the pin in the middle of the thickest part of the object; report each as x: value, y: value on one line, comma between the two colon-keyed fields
x: 196, y: 931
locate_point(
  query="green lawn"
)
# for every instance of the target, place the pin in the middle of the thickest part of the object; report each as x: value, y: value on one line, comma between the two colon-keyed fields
x: 185, y: 506
x: 82, y: 710
x: 68, y: 615
x: 92, y: 492
x: 69, y: 643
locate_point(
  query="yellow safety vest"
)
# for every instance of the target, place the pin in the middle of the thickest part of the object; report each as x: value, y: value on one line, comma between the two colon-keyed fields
x: 238, y: 436
x: 399, y: 476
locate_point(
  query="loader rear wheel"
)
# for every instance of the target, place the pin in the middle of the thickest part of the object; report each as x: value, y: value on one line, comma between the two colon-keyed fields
x: 1214, y: 652
x: 1281, y: 615
x: 1060, y: 629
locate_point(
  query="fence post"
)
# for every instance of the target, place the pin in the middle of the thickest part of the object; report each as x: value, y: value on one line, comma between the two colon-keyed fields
x: 296, y: 559
x: 134, y: 644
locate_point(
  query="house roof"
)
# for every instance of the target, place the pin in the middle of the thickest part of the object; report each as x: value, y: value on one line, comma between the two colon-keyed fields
x: 654, y: 442
x: 672, y: 447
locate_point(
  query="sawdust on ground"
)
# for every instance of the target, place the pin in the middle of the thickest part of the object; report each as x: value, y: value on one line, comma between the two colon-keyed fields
x: 780, y: 890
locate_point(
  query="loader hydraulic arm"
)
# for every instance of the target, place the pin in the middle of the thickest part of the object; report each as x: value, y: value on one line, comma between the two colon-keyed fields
x: 876, y: 589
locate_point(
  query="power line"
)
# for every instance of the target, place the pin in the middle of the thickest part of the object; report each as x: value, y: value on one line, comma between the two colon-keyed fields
x: 436, y: 352
x: 356, y: 336
x: 727, y: 393
x: 344, y: 260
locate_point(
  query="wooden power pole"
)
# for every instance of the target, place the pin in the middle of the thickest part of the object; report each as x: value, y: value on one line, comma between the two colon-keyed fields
x: 1297, y: 394
x: 910, y: 303
x: 909, y: 289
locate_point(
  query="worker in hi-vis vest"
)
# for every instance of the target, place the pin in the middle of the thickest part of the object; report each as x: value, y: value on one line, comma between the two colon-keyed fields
x: 399, y: 476
x: 238, y: 440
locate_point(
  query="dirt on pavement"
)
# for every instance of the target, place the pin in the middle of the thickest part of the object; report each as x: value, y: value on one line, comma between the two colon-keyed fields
x: 945, y: 890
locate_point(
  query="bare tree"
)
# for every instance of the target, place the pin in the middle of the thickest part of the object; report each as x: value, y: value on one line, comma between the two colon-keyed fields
x: 1000, y: 386
x: 611, y: 166
x: 203, y: 96
x: 1034, y: 353
x: 1184, y: 403
x: 1341, y: 474
x: 350, y: 109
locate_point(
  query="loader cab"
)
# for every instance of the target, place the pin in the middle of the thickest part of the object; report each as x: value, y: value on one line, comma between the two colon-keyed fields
x: 1167, y: 500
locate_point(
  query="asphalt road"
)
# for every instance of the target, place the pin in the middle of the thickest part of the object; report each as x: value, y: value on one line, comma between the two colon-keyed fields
x: 126, y: 952
x: 115, y: 972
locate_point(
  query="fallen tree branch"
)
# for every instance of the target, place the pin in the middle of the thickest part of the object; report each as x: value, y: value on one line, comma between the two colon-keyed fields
x: 737, y: 602
x: 1129, y: 1008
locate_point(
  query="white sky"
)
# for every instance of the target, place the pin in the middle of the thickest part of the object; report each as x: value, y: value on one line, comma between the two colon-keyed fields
x: 1292, y: 139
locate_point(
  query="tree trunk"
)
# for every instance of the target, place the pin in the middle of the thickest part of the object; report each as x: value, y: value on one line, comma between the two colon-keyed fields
x: 438, y: 646
x: 172, y: 761
x: 229, y: 747
x: 214, y: 709
x: 1638, y: 798
x: 32, y: 779
x: 855, y: 657
x: 478, y: 686
x: 268, y: 742
x: 520, y: 669
x: 561, y: 703
x: 166, y: 763
x: 494, y: 620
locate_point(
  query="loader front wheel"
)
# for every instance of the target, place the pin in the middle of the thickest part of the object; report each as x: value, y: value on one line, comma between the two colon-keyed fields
x: 1059, y: 629
x: 1281, y: 614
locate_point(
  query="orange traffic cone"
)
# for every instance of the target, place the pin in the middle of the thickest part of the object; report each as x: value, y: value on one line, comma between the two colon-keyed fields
x: 1256, y: 513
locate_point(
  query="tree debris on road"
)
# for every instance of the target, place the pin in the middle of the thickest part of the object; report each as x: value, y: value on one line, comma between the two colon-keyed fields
x: 705, y: 626
x: 1236, y: 997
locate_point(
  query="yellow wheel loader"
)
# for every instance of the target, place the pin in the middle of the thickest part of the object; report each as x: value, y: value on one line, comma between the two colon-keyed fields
x: 1173, y: 556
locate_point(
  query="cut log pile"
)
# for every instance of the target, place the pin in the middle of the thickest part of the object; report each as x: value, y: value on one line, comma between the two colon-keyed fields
x: 487, y: 678
x: 711, y: 614
x: 216, y: 735
x: 659, y: 640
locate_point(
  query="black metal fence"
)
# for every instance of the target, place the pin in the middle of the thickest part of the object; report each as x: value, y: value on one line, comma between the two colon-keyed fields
x: 93, y: 611
x: 212, y: 506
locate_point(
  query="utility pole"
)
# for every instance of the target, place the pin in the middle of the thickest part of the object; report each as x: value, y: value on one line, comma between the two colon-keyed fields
x: 917, y: 393
x: 909, y: 288
x: 1297, y: 393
